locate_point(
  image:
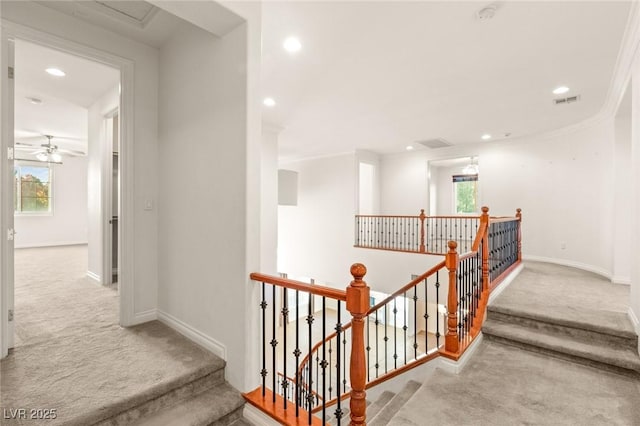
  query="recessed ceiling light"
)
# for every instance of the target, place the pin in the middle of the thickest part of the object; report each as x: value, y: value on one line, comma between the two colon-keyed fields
x: 560, y: 90
x: 292, y: 44
x: 486, y: 137
x: 269, y: 102
x: 409, y: 148
x: 34, y: 101
x: 57, y: 72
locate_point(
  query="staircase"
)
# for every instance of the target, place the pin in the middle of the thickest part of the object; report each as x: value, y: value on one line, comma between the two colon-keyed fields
x: 613, y: 349
x: 200, y: 398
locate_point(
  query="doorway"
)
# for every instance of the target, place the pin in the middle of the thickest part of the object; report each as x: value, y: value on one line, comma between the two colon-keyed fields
x: 45, y: 233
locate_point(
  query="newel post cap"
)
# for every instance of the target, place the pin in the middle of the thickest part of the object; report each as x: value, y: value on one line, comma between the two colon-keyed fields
x: 452, y: 246
x: 485, y: 210
x: 358, y: 271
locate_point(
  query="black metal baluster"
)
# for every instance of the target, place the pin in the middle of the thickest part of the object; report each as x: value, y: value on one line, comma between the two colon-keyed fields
x: 404, y: 326
x: 377, y: 352
x: 324, y: 364
x: 263, y: 372
x: 426, y: 317
x: 297, y: 353
x: 285, y: 318
x: 274, y: 342
x: 386, y: 338
x: 437, y: 308
x: 338, y: 412
x: 395, y: 334
x: 310, y: 363
x: 415, y: 320
x: 330, y: 389
x: 368, y: 348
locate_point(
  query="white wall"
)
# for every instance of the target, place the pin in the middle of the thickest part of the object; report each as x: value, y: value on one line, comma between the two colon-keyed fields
x: 145, y: 61
x: 316, y: 237
x: 622, y: 201
x: 269, y: 201
x: 403, y: 184
x: 203, y: 204
x: 564, y: 185
x: 68, y: 222
x: 97, y: 151
x: 635, y: 196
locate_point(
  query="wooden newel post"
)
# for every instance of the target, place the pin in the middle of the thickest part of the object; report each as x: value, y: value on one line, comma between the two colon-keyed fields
x: 519, y: 216
x: 358, y: 305
x: 484, y: 219
x: 451, y: 343
x: 422, y: 217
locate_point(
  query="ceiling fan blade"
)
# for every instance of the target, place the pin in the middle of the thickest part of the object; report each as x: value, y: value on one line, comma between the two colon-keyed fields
x: 31, y: 140
x: 71, y: 152
x: 25, y: 147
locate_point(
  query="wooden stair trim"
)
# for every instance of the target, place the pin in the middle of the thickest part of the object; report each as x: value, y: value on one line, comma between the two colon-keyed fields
x: 276, y: 410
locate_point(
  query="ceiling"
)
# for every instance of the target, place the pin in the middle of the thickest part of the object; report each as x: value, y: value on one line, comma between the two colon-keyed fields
x: 137, y: 20
x: 383, y: 75
x: 65, y: 100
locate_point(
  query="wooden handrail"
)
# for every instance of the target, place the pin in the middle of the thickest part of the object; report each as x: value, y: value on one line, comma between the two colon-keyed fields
x: 315, y: 289
x: 374, y: 308
x: 503, y: 219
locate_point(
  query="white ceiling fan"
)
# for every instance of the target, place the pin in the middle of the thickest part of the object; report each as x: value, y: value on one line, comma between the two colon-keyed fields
x: 46, y: 152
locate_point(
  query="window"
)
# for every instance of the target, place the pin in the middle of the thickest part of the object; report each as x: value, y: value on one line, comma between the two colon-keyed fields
x: 32, y: 188
x: 465, y: 190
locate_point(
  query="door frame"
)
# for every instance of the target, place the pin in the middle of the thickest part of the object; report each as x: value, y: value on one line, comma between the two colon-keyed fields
x: 6, y: 201
x: 12, y: 31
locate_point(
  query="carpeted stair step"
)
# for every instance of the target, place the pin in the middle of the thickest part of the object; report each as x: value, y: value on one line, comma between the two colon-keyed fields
x: 202, y: 377
x: 219, y: 406
x: 378, y: 404
x: 383, y: 417
x: 622, y: 335
x: 595, y: 353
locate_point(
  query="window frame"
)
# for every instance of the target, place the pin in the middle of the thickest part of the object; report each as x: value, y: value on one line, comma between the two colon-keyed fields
x: 18, y: 165
x: 462, y: 178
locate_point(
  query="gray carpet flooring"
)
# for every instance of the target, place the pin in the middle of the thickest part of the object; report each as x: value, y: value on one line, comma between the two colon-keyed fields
x: 72, y: 356
x: 504, y: 385
x: 567, y: 295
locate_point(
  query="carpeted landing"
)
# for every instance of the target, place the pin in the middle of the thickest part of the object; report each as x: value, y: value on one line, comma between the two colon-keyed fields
x: 558, y: 349
x: 503, y: 385
x: 74, y: 358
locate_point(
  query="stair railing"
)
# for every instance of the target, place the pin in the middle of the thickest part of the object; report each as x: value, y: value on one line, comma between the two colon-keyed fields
x: 439, y: 313
x: 415, y: 234
x: 281, y: 357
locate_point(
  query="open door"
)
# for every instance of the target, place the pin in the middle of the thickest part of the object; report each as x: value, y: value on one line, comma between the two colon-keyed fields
x: 6, y: 197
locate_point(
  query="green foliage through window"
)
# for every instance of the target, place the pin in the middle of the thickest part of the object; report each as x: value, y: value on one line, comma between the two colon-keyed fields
x: 32, y: 189
x: 466, y: 193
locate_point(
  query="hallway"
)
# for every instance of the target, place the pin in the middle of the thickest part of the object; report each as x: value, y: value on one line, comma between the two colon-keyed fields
x: 73, y: 357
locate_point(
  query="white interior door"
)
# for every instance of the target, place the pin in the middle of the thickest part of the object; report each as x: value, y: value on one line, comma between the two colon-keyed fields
x: 6, y: 198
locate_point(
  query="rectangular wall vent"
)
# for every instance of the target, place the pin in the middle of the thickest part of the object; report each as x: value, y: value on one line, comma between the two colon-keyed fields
x: 567, y: 100
x: 434, y: 143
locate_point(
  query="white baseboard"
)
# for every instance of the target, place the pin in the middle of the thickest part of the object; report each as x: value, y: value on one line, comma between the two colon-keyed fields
x: 456, y: 367
x: 617, y: 279
x: 145, y: 316
x: 50, y: 244
x: 94, y: 277
x: 505, y: 283
x: 191, y: 333
x: 257, y: 417
x: 585, y: 267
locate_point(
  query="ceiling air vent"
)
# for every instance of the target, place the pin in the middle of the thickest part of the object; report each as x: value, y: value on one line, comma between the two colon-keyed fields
x: 567, y: 100
x: 434, y: 143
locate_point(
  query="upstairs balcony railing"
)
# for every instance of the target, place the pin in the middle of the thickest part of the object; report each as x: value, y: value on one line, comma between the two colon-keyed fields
x: 415, y: 234
x: 313, y: 358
